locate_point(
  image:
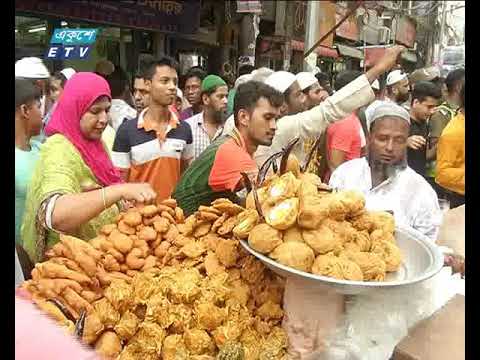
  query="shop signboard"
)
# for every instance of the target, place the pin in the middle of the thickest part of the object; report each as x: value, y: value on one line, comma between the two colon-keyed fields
x: 160, y: 15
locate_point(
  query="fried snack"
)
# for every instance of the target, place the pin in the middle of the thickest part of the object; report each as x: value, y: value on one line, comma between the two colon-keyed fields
x: 120, y: 241
x: 343, y: 229
x: 173, y: 348
x: 293, y: 234
x: 172, y: 234
x: 336, y: 207
x: 120, y: 295
x: 264, y: 238
x: 168, y: 216
x: 193, y: 249
x: 202, y: 230
x: 83, y: 253
x: 108, y: 345
x: 307, y: 188
x: 388, y: 252
x: 75, y: 300
x: 54, y: 287
x: 283, y: 215
x: 126, y: 229
x: 107, y: 229
x: 134, y: 259
x: 336, y: 267
x: 206, y: 216
x: 262, y: 197
x: 161, y: 250
x: 227, y: 252
x: 107, y: 313
x: 179, y: 215
x: 150, y: 336
x: 294, y: 254
x: 149, y: 211
x: 284, y: 187
x: 353, y: 201
x: 383, y: 220
x: 209, y: 316
x: 225, y: 205
x: 252, y: 270
x: 362, y: 240
x: 312, y: 211
x: 148, y: 234
x: 227, y: 226
x: 371, y: 264
x: 132, y: 218
x: 170, y: 203
x: 231, y: 350
x: 51, y: 270
x: 212, y: 265
x: 380, y: 235
x: 323, y: 240
x: 270, y: 310
x: 72, y: 265
x: 161, y: 225
x: 198, y: 342
x: 246, y: 221
x: 93, y: 328
x: 127, y: 326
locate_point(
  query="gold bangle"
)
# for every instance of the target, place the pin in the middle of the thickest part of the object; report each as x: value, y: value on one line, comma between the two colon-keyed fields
x: 104, y: 200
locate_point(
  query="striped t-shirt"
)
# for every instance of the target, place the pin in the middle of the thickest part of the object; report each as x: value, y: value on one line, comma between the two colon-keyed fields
x: 152, y: 156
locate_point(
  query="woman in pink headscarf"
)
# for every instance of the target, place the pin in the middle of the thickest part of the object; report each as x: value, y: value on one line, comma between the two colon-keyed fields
x: 75, y: 188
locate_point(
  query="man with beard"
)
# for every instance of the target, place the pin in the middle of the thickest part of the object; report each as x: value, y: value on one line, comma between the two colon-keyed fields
x: 155, y: 147
x: 385, y: 178
x: 216, y: 173
x: 208, y: 125
x: 310, y: 86
x: 398, y: 89
x: 193, y: 92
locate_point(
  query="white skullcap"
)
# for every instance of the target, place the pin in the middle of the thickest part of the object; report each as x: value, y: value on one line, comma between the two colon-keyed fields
x: 376, y: 85
x: 31, y: 68
x: 388, y: 108
x: 395, y: 76
x: 179, y: 93
x: 281, y: 80
x: 261, y: 74
x: 68, y: 72
x: 242, y: 80
x: 306, y: 79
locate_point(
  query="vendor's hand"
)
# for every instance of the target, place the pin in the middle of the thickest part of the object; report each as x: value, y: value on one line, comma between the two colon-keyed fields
x: 456, y: 262
x: 138, y: 192
x: 416, y: 142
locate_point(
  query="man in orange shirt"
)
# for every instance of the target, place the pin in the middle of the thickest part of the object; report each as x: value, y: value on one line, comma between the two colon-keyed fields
x: 156, y: 147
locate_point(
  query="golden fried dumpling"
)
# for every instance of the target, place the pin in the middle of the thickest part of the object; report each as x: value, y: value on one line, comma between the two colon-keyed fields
x: 293, y: 165
x: 198, y: 342
x: 336, y: 207
x: 264, y: 238
x: 383, y: 220
x: 294, y: 254
x: 362, y: 240
x: 127, y: 326
x: 173, y: 347
x: 306, y: 188
x: 283, y: 215
x: 336, y: 267
x: 354, y: 202
x: 323, y: 240
x: 293, y: 234
x: 343, y: 229
x: 108, y: 345
x: 389, y: 252
x: 262, y: 194
x: 381, y: 235
x: 312, y: 211
x: 246, y: 221
x: 372, y: 266
x: 282, y: 188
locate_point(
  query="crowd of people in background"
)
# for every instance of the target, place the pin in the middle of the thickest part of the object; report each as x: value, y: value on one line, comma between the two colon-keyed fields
x: 88, y: 144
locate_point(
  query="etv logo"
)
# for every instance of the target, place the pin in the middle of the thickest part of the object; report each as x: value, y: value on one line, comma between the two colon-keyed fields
x: 71, y: 44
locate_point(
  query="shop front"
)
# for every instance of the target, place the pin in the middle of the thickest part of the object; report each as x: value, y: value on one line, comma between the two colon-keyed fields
x: 127, y: 29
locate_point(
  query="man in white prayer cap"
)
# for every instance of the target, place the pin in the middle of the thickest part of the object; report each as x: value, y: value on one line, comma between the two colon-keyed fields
x: 310, y: 86
x: 398, y: 89
x: 385, y: 178
x: 34, y: 69
x: 287, y: 84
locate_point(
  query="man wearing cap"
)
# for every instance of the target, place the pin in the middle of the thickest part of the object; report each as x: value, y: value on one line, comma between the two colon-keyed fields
x: 398, y: 89
x: 385, y: 178
x: 314, y: 93
x: 34, y: 69
x: 208, y: 125
x: 309, y: 125
x: 287, y: 84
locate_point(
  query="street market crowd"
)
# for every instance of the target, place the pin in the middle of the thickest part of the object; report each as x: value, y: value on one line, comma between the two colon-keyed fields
x: 90, y: 144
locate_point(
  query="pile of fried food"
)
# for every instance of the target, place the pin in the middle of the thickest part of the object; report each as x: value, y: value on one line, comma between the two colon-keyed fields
x: 155, y: 285
x: 299, y: 222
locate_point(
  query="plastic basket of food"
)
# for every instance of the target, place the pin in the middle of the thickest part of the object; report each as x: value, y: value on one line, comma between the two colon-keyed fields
x: 420, y: 260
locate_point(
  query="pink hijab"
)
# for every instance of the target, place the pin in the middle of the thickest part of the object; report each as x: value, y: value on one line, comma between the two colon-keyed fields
x: 80, y: 92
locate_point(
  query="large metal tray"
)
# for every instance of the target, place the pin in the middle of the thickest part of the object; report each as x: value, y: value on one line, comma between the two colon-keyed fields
x: 421, y: 260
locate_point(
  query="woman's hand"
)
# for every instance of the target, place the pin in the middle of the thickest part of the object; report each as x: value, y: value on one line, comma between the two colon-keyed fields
x: 137, y: 192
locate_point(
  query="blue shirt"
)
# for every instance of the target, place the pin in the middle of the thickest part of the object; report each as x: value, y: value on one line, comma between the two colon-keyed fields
x: 24, y: 166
